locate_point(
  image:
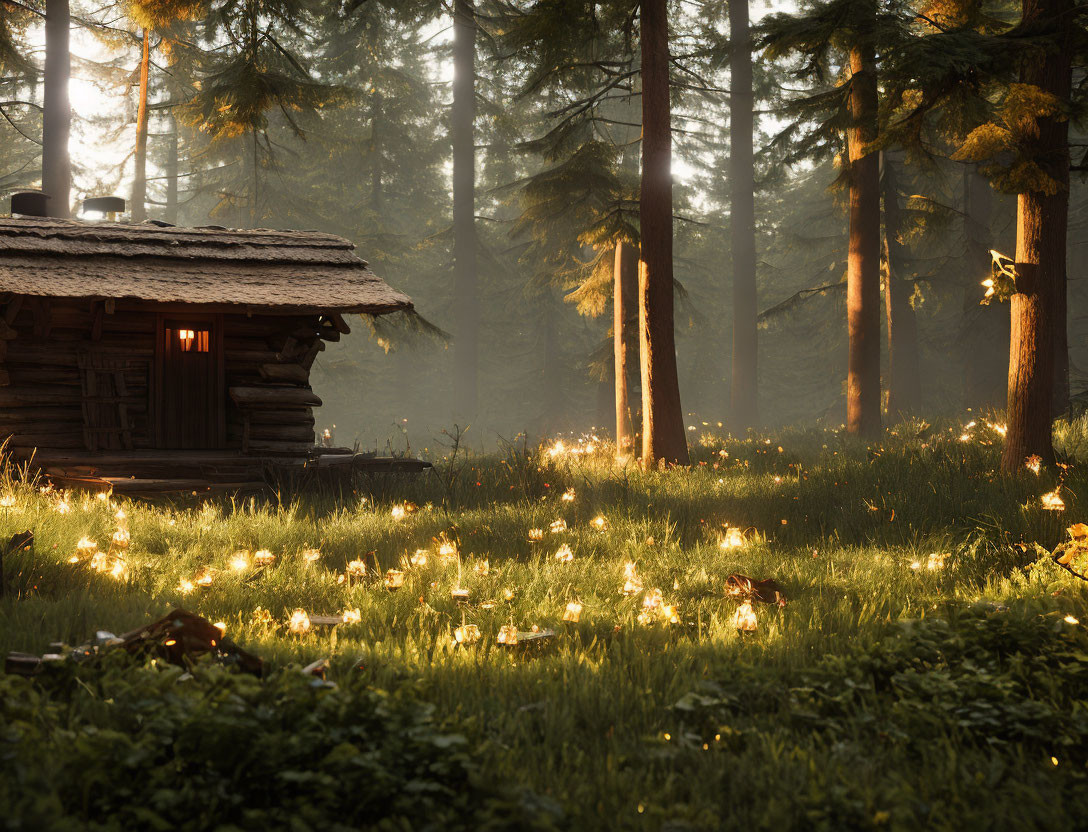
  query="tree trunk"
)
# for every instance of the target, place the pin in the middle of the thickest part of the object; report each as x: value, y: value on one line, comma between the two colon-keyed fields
x: 1061, y: 347
x: 466, y: 292
x: 863, y: 263
x: 139, y: 179
x: 57, y: 117
x: 743, y: 407
x: 904, y: 378
x: 376, y: 172
x: 172, y: 173
x: 624, y: 304
x: 662, y: 417
x: 1041, y: 221
x: 984, y: 338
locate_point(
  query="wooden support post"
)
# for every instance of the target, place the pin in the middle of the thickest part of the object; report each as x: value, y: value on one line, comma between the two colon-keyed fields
x: 308, y: 358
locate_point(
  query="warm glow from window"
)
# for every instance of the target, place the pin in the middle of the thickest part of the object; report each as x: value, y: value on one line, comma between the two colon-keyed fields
x: 193, y: 340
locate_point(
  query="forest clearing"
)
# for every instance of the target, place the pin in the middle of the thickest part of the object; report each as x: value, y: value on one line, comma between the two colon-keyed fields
x: 513, y: 415
x: 926, y: 667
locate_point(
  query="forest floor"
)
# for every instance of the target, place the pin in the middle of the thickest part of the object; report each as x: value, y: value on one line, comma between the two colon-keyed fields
x: 929, y: 668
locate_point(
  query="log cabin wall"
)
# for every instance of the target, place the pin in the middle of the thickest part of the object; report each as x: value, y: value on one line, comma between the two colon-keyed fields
x: 79, y: 374
x: 268, y: 361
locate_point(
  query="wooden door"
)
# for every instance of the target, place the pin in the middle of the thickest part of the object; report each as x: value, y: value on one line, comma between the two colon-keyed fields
x: 190, y: 386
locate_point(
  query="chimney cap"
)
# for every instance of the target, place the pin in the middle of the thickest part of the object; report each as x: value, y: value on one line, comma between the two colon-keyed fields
x: 30, y: 204
x: 105, y: 204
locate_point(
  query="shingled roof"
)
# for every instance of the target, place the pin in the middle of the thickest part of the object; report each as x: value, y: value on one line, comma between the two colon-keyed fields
x: 299, y: 270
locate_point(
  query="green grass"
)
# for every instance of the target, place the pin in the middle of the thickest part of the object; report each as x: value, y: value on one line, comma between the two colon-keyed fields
x: 881, y: 696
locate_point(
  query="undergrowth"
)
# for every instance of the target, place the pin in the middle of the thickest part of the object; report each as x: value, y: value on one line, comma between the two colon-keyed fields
x: 926, y: 671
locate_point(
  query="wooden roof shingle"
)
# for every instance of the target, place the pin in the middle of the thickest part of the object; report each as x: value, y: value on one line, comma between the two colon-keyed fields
x: 299, y: 270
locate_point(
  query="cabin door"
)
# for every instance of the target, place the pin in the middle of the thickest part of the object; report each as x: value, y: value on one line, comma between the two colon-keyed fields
x: 190, y: 412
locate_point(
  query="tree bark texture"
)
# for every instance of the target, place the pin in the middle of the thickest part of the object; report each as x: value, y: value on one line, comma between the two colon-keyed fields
x: 863, y: 262
x: 663, y: 438
x: 57, y: 116
x: 1041, y: 222
x: 139, y: 178
x: 904, y: 377
x: 624, y: 309
x: 466, y: 291
x: 744, y: 412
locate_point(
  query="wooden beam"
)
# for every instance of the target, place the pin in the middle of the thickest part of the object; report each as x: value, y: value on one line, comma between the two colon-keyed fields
x: 290, y: 349
x: 307, y: 360
x: 273, y: 396
x: 338, y: 323
x: 285, y: 372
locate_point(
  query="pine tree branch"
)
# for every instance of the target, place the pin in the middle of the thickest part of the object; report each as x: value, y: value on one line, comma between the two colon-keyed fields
x: 25, y: 7
x: 17, y: 129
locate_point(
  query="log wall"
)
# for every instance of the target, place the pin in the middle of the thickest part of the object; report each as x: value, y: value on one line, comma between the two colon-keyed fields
x: 51, y: 348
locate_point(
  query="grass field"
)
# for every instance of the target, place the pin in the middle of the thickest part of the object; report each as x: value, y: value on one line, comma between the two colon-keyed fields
x: 928, y: 669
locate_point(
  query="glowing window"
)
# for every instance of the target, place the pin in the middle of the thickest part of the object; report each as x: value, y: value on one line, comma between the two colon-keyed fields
x: 192, y: 340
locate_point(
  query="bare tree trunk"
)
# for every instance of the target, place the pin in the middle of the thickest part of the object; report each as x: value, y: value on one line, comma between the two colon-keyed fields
x: 139, y: 179
x: 743, y: 395
x: 376, y: 167
x: 904, y: 377
x: 466, y: 291
x: 1040, y: 251
x: 624, y: 306
x: 57, y: 118
x: 172, y: 173
x: 984, y: 338
x: 662, y: 416
x: 863, y: 263
x: 1061, y: 346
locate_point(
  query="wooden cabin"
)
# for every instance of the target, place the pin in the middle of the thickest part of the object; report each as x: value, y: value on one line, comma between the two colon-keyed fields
x: 143, y: 354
